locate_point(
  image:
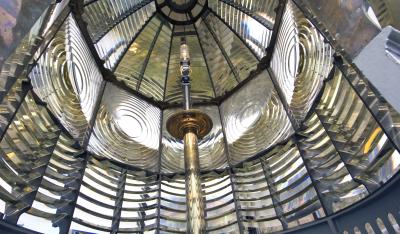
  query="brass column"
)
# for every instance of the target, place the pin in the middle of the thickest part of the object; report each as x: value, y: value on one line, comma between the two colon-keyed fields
x: 189, y: 125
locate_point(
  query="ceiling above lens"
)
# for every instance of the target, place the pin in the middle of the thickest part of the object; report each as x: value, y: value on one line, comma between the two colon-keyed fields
x: 181, y: 11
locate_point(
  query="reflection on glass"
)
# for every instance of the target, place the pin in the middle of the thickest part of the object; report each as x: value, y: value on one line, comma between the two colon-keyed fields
x: 153, y: 81
x: 131, y: 68
x: 127, y: 129
x: 255, y: 28
x: 254, y: 119
x: 67, y: 78
x: 301, y: 61
x: 243, y: 61
x: 115, y: 42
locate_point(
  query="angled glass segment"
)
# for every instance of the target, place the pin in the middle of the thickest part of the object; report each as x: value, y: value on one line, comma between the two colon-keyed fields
x: 364, y: 146
x: 262, y: 11
x: 387, y: 117
x: 221, y: 74
x: 254, y: 119
x: 68, y: 79
x: 254, y: 198
x: 386, y: 12
x: 17, y: 19
x: 102, y: 15
x: 97, y: 198
x: 243, y: 61
x: 173, y: 204
x: 127, y: 129
x: 11, y: 102
x: 130, y: 69
x: 291, y: 186
x: 219, y: 202
x: 254, y: 28
x: 201, y: 86
x: 337, y: 187
x: 211, y: 148
x: 153, y: 80
x: 51, y: 25
x: 28, y: 143
x: 14, y: 67
x: 301, y: 61
x: 351, y: 29
x: 140, y: 203
x: 112, y: 46
x: 62, y: 170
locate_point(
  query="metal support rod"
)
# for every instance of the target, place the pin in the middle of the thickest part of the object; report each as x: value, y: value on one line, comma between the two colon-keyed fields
x: 159, y: 177
x: 189, y: 125
x: 186, y: 95
x: 194, y: 197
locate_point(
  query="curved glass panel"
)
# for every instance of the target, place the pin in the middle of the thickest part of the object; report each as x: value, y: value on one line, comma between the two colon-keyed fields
x: 221, y: 73
x: 127, y: 129
x: 362, y: 143
x: 28, y: 143
x: 102, y: 15
x: 254, y: 28
x: 241, y: 58
x: 220, y: 203
x: 131, y: 68
x: 301, y: 61
x: 113, y: 45
x: 67, y: 78
x: 154, y: 77
x: 254, y: 119
x: 254, y: 197
x: 172, y: 204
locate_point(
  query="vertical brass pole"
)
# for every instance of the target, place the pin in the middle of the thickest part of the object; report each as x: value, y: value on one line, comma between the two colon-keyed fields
x: 194, y: 196
x: 190, y: 125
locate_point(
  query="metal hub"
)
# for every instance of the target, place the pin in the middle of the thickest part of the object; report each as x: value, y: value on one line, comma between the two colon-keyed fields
x: 182, y: 121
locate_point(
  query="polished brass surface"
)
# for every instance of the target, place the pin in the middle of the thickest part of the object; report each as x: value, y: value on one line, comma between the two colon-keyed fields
x: 194, y: 196
x: 189, y: 125
x: 178, y: 123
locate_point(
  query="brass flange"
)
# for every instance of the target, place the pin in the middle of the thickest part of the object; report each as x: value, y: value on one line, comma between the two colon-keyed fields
x: 179, y: 123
